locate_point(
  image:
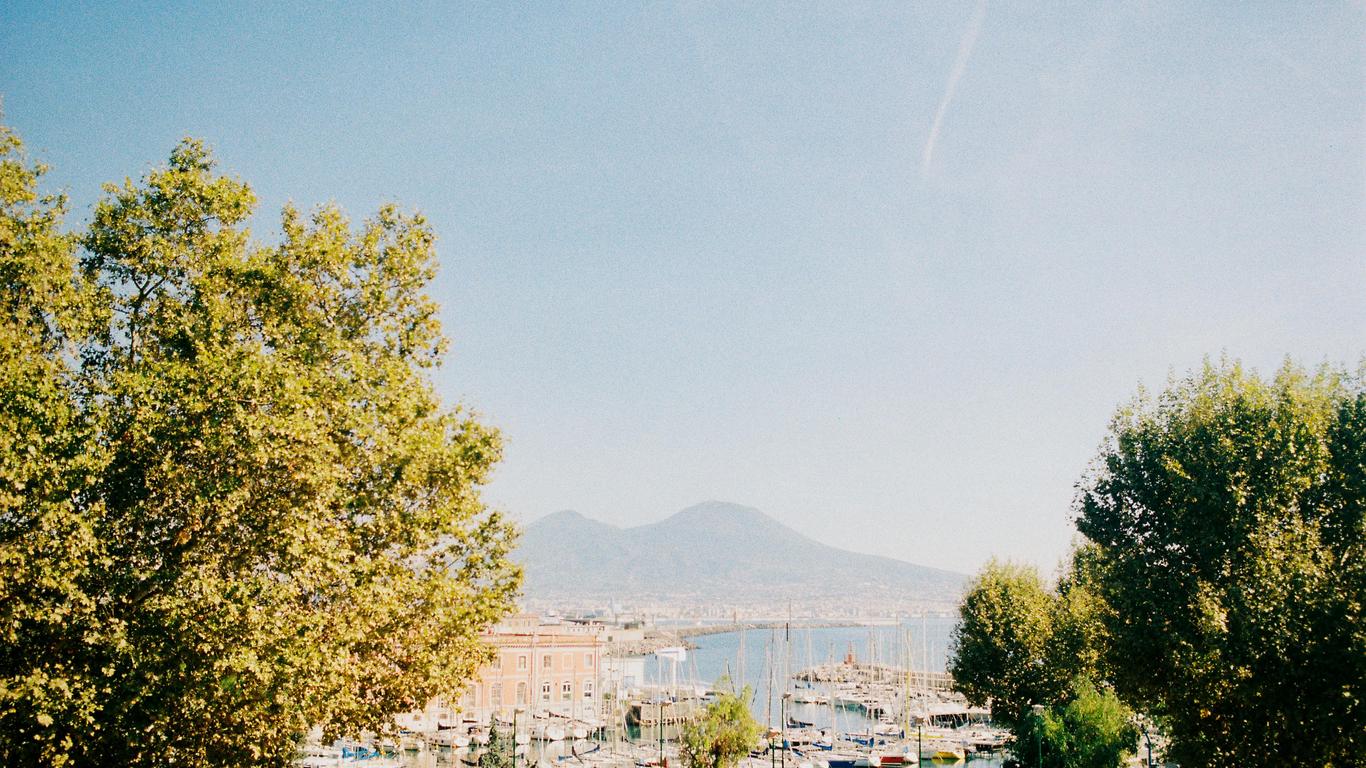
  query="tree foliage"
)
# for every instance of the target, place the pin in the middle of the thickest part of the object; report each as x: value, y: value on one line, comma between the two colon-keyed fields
x: 1001, y: 644
x: 1019, y: 643
x: 724, y: 733
x: 1227, y: 515
x: 498, y: 753
x: 231, y: 506
x: 1092, y: 730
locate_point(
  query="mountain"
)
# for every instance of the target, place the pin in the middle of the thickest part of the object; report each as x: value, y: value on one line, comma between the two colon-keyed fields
x: 716, y: 553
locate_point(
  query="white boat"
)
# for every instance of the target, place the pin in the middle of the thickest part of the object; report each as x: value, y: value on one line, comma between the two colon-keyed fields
x: 884, y: 728
x: 550, y: 732
x: 894, y: 755
x: 453, y: 738
x: 319, y: 757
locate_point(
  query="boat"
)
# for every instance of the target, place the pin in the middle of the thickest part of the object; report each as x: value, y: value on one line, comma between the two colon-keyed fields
x: 319, y: 757
x: 901, y: 754
x: 793, y: 722
x: 808, y: 696
x: 365, y: 755
x: 579, y: 750
x: 454, y: 738
x: 831, y: 757
x: 884, y: 728
x: 550, y: 732
x: 947, y: 750
x: 843, y: 759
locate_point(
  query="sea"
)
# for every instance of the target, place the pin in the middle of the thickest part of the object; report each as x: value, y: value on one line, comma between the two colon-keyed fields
x: 764, y: 660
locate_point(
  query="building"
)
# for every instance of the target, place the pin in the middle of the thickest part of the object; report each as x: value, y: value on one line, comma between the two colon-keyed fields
x: 537, y: 668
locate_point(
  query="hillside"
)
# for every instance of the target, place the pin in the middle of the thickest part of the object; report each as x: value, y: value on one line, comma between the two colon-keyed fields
x: 716, y: 553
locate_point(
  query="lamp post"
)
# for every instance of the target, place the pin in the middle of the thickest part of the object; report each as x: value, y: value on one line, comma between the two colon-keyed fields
x: 1142, y: 723
x: 1037, y: 709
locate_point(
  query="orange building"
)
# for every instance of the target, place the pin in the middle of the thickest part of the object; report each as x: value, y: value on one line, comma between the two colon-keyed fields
x: 537, y: 667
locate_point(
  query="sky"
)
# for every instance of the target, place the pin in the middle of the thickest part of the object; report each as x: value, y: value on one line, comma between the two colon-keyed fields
x: 881, y: 270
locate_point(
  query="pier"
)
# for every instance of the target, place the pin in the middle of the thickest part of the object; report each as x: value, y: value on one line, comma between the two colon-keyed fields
x: 870, y: 674
x: 721, y: 629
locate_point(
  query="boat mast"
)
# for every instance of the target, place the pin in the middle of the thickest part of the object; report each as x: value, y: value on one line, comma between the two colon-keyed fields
x: 768, y: 686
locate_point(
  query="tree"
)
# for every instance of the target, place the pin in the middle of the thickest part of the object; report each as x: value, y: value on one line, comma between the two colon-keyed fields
x: 724, y: 733
x: 1092, y: 730
x: 48, y: 536
x: 252, y: 515
x: 1020, y: 644
x: 1000, y: 647
x: 1227, y: 517
x: 497, y: 754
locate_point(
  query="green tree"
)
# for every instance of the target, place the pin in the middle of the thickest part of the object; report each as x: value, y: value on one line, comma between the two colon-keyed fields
x: 1000, y: 647
x: 233, y: 506
x: 498, y: 753
x: 1019, y: 643
x: 48, y: 527
x: 1092, y: 730
x: 1227, y: 515
x: 724, y: 733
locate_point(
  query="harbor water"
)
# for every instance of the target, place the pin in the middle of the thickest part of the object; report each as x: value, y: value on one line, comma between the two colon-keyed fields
x: 765, y: 660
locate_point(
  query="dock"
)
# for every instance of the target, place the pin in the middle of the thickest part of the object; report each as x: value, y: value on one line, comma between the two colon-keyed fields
x: 878, y: 674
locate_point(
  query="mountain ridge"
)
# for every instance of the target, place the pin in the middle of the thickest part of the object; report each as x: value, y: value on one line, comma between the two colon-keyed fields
x: 713, y: 553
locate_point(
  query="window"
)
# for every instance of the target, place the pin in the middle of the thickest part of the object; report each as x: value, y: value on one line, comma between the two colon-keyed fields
x: 588, y: 689
x: 496, y: 695
x: 546, y: 661
x: 521, y: 693
x: 521, y: 661
x: 588, y: 660
x: 498, y: 661
x: 566, y: 691
x: 545, y: 692
x: 567, y: 661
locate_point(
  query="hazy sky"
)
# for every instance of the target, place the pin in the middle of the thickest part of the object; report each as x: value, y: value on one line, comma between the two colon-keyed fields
x: 883, y: 270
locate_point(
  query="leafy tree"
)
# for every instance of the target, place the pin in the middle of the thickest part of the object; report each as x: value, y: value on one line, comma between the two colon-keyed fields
x: 1000, y: 652
x: 1227, y: 515
x: 1093, y: 730
x: 231, y: 506
x: 48, y: 531
x: 498, y: 753
x: 724, y: 733
x: 1018, y: 644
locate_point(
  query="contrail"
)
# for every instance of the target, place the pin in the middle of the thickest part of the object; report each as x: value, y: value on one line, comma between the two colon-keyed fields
x: 959, y: 64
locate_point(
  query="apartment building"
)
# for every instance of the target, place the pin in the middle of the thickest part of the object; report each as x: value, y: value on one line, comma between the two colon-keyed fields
x: 537, y: 667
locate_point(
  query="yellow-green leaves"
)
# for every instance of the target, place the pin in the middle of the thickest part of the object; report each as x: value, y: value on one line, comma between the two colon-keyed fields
x: 1001, y: 646
x: 724, y: 733
x: 1227, y: 513
x: 236, y: 507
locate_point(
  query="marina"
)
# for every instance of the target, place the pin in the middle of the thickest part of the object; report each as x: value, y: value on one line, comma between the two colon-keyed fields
x: 848, y: 705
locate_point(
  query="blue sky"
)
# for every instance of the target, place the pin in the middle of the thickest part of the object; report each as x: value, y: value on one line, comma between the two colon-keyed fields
x: 709, y: 251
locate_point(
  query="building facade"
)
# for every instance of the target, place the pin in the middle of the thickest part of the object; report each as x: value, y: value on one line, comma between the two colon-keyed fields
x: 536, y: 668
